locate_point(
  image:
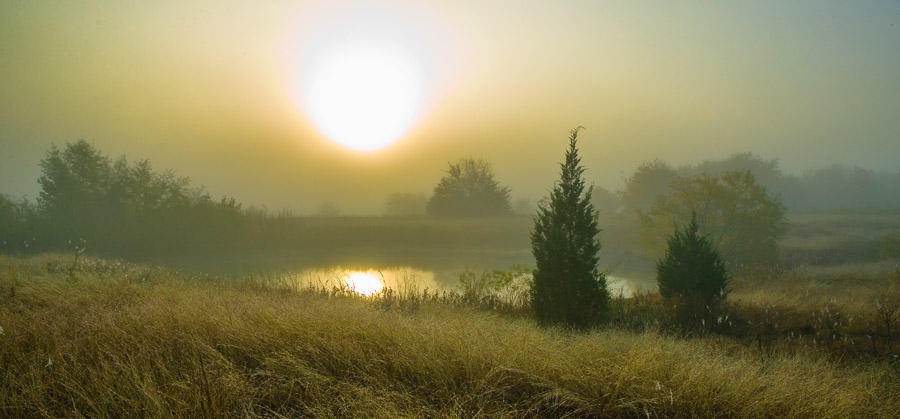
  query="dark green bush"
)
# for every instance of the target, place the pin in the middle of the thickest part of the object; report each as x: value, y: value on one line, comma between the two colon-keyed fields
x: 691, y: 268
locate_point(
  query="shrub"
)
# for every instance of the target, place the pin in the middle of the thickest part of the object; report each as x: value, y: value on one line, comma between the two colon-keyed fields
x: 568, y: 288
x: 691, y: 268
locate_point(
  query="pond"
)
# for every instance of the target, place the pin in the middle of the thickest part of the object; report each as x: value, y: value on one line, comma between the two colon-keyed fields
x: 370, y: 271
x: 406, y: 279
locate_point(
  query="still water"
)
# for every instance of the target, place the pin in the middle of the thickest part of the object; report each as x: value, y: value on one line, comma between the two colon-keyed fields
x: 369, y: 272
x: 371, y: 281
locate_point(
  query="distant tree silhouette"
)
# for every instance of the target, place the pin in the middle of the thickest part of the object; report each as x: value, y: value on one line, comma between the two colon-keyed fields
x: 328, y: 209
x: 124, y: 207
x: 16, y: 223
x: 74, y: 184
x: 650, y: 180
x: 832, y: 187
x: 568, y: 287
x: 850, y: 187
x: 469, y: 190
x: 605, y: 202
x: 9, y: 223
x: 523, y: 206
x: 691, y: 267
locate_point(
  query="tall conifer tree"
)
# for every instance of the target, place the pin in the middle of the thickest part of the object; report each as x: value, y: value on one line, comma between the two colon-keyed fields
x: 568, y: 288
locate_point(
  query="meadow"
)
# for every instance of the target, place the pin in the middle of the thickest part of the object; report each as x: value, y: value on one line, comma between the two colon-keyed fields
x: 100, y: 337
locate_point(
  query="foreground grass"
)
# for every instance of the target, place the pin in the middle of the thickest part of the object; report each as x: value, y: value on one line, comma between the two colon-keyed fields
x: 107, y: 339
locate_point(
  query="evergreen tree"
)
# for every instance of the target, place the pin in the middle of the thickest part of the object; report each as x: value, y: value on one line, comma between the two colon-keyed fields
x: 568, y: 287
x: 692, y: 268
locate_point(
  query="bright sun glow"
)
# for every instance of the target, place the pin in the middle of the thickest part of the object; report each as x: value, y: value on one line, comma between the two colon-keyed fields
x: 365, y: 283
x: 364, y: 96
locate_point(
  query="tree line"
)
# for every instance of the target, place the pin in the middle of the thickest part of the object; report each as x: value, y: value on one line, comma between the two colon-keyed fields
x: 88, y: 200
x: 128, y: 208
x: 116, y: 206
x: 830, y: 188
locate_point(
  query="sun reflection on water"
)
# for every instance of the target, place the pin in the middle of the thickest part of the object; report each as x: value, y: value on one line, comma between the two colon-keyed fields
x: 364, y: 283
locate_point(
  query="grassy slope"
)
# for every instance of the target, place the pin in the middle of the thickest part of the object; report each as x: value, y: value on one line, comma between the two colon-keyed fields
x: 112, y: 339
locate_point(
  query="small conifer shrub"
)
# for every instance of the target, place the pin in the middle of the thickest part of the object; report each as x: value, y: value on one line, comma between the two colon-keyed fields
x: 692, y: 268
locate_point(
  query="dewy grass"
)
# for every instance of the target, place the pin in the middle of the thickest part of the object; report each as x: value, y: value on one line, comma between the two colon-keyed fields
x: 115, y: 339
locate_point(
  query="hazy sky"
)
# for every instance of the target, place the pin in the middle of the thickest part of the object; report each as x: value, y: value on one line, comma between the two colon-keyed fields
x: 210, y: 88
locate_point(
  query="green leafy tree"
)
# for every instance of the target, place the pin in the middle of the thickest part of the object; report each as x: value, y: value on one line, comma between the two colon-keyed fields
x: 16, y: 224
x: 469, y: 190
x: 74, y: 183
x: 605, y: 201
x: 650, y: 180
x: 125, y: 207
x: 568, y: 287
x: 691, y: 268
x: 739, y: 216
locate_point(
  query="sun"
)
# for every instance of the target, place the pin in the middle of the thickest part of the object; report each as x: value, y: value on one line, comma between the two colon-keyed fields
x: 364, y: 96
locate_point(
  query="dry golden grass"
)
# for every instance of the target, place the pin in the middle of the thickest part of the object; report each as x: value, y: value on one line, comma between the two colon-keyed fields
x: 855, y: 288
x: 107, y: 339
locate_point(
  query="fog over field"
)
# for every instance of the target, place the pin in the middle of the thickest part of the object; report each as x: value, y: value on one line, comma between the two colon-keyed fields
x: 439, y: 208
x: 211, y: 90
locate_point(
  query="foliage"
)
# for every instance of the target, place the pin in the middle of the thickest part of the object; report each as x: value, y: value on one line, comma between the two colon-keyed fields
x: 827, y: 188
x: 123, y: 207
x: 405, y: 204
x: 604, y: 201
x: 741, y: 219
x: 650, y: 180
x: 840, y: 187
x: 568, y: 287
x: 691, y: 267
x: 16, y: 221
x: 328, y: 209
x: 767, y: 173
x: 469, y: 190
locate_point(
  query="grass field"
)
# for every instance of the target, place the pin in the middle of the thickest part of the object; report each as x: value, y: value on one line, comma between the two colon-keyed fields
x: 105, y: 338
